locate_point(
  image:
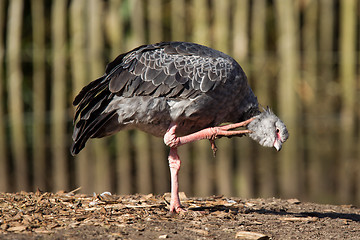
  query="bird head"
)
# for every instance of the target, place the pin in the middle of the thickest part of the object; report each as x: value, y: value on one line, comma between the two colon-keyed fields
x: 268, y: 130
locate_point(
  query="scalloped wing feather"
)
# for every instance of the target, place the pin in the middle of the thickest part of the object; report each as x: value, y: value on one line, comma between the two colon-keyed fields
x: 171, y: 64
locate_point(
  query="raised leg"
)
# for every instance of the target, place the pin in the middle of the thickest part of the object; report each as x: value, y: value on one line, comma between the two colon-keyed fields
x: 174, y: 164
x: 210, y: 133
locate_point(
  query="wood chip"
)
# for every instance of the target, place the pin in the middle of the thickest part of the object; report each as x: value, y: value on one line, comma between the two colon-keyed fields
x: 302, y: 219
x: 142, y: 206
x: 31, y: 214
x: 17, y: 228
x: 150, y: 195
x: 182, y: 196
x: 4, y: 226
x: 329, y: 211
x: 294, y: 201
x: 52, y: 225
x: 251, y: 236
x: 250, y: 205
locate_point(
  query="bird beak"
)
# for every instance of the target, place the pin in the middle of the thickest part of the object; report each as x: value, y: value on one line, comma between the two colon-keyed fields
x: 277, y: 145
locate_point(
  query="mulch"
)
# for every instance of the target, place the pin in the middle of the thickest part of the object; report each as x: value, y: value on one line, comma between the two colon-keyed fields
x: 44, y: 215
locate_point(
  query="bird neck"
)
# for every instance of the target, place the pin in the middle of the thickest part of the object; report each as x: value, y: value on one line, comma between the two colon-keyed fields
x: 252, y: 112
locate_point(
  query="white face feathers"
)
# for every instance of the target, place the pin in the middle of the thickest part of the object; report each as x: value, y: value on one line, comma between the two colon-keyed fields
x: 268, y: 130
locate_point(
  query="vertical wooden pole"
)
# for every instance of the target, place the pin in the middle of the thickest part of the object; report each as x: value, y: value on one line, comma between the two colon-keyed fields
x: 244, y: 176
x: 178, y: 20
x: 58, y: 106
x: 137, y: 25
x: 347, y: 83
x: 240, y: 32
x: 79, y: 69
x: 202, y: 157
x: 102, y: 174
x: 142, y: 162
x: 314, y: 144
x: 287, y: 47
x: 221, y: 25
x: 142, y: 153
x: 245, y: 169
x: 158, y: 156
x: 155, y: 21
x: 200, y: 12
x: 178, y: 31
x: 16, y: 109
x: 39, y: 107
x: 115, y: 34
x: 123, y: 163
x: 223, y: 161
x: 185, y: 176
x: 261, y: 83
x: 326, y: 42
x: 223, y: 167
x: 115, y: 27
x: 4, y: 182
x: 203, y: 168
x: 310, y: 49
x: 160, y: 165
x: 327, y: 129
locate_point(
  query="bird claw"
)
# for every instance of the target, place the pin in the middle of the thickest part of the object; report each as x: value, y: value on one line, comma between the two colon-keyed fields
x: 213, y: 146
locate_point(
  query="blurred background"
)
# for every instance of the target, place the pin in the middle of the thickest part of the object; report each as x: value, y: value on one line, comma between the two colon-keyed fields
x: 301, y: 57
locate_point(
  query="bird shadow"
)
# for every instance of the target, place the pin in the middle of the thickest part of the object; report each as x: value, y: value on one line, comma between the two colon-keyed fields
x: 281, y: 212
x: 333, y: 215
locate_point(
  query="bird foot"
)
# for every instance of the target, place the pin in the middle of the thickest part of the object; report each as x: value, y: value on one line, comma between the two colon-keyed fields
x: 177, y: 209
x: 170, y: 138
x: 226, y: 130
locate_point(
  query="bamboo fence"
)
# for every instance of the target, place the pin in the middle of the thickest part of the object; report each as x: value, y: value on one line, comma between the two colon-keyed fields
x: 302, y: 59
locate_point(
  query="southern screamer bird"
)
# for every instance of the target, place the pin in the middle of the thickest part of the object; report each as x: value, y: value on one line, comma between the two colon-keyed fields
x: 176, y: 90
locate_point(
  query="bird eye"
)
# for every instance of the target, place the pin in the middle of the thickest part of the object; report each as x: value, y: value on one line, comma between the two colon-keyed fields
x: 277, y: 130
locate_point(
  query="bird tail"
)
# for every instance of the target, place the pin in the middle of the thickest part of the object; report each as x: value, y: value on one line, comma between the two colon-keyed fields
x: 89, y: 115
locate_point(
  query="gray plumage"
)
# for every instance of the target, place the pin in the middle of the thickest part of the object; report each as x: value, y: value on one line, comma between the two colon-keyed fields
x: 268, y: 130
x: 153, y: 85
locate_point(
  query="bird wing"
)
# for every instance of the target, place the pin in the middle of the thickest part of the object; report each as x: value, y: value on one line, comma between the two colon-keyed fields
x: 171, y: 69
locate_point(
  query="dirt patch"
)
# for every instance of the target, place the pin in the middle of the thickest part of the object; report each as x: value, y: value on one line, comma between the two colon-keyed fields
x: 67, y: 215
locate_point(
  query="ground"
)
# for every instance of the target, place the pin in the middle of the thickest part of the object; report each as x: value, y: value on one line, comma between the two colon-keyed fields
x: 76, y: 216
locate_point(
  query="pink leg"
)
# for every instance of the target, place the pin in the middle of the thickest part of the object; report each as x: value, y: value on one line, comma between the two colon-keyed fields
x: 173, y: 142
x: 210, y: 133
x: 174, y: 164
